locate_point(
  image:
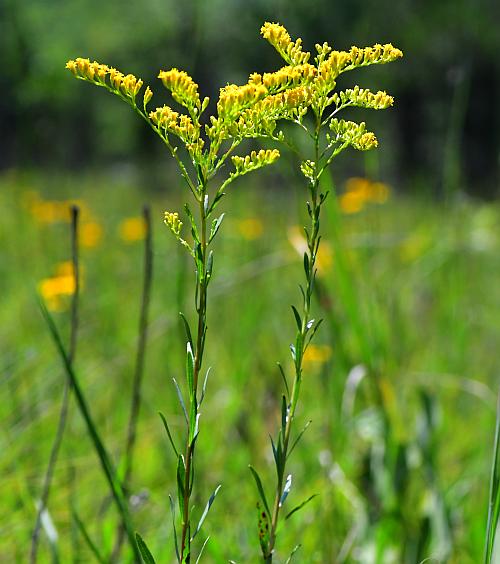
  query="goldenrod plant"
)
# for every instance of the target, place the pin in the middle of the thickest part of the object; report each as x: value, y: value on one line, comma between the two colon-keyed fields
x: 328, y: 137
x: 201, y: 147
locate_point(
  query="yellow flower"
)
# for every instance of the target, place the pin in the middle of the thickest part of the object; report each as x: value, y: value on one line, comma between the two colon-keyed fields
x: 55, y: 289
x: 360, y: 191
x: 351, y: 202
x: 317, y: 354
x: 132, y: 229
x: 251, y: 228
x: 90, y: 234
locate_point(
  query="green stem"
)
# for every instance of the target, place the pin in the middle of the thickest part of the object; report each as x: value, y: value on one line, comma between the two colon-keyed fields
x: 312, y: 245
x: 202, y: 284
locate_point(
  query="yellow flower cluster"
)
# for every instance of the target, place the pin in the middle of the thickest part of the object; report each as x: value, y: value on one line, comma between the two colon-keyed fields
x: 285, y: 77
x: 173, y: 222
x: 102, y: 75
x: 279, y: 38
x: 364, y: 98
x: 233, y: 99
x: 362, y: 191
x: 181, y: 125
x: 183, y: 88
x: 255, y: 160
x: 354, y: 134
x: 57, y: 287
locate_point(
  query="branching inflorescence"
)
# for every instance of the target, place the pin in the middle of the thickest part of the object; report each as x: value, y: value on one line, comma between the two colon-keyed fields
x: 328, y: 137
x: 252, y: 110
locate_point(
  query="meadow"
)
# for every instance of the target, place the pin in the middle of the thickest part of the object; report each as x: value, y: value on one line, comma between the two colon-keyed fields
x: 400, y: 383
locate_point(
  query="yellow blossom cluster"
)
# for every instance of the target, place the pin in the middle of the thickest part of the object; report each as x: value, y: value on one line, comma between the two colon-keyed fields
x: 55, y: 289
x: 102, y: 75
x: 354, y: 134
x: 279, y: 38
x: 173, y: 222
x: 364, y: 98
x: 183, y: 88
x: 181, y: 125
x: 255, y: 160
x: 286, y: 77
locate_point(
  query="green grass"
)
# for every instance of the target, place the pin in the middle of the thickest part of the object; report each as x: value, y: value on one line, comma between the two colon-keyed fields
x: 401, y: 461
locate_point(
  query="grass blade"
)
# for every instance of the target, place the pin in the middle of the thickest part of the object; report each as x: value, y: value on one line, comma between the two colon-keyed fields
x: 144, y: 550
x: 494, y: 498
x: 102, y: 454
x: 165, y: 424
x: 206, y: 510
x: 88, y: 540
x: 300, y: 506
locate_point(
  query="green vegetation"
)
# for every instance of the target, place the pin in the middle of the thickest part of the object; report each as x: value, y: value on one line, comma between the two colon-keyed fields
x: 399, y: 452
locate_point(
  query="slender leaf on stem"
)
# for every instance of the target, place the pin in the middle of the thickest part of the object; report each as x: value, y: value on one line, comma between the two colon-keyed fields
x: 190, y: 370
x: 282, y: 372
x: 289, y: 559
x: 181, y: 485
x: 206, y: 510
x: 90, y: 543
x: 260, y: 488
x: 286, y: 489
x: 298, y: 320
x: 104, y: 458
x: 144, y: 550
x: 194, y: 228
x: 300, y: 506
x: 216, y: 223
x: 202, y: 549
x: 494, y: 497
x: 204, y: 387
x: 181, y: 400
x: 165, y: 424
x: 284, y: 414
x: 172, y: 512
x: 187, y: 329
x: 299, y: 437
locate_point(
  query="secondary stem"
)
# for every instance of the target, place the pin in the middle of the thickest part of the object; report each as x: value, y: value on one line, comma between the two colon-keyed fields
x: 312, y: 247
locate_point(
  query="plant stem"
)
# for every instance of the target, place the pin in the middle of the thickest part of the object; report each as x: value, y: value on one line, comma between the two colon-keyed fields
x: 201, y: 306
x: 312, y: 250
x: 63, y: 414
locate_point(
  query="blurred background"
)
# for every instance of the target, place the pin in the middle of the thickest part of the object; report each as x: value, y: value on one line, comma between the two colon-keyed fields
x: 402, y: 380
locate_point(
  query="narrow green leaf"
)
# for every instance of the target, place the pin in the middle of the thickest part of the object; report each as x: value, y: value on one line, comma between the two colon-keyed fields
x: 172, y: 512
x: 190, y: 370
x: 286, y: 489
x: 315, y: 328
x: 300, y: 506
x: 298, y: 320
x: 210, y: 264
x: 284, y: 414
x: 206, y: 510
x: 144, y: 550
x: 216, y: 223
x: 165, y: 424
x: 194, y: 228
x: 306, y: 264
x: 258, y: 483
x: 494, y: 497
x: 187, y: 329
x: 202, y: 549
x: 90, y: 543
x: 282, y: 372
x: 289, y: 559
x: 181, y: 400
x: 204, y: 387
x: 299, y: 437
x: 181, y: 486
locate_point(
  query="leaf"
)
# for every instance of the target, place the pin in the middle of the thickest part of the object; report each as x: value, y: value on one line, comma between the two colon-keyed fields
x: 216, y: 223
x: 286, y: 489
x: 187, y: 329
x: 206, y: 510
x: 202, y: 549
x: 165, y: 424
x: 194, y: 228
x: 299, y: 437
x: 298, y: 320
x: 284, y: 414
x: 210, y: 264
x: 289, y: 559
x: 258, y: 483
x: 190, y: 370
x: 204, y: 387
x: 494, y: 496
x: 172, y: 511
x: 300, y: 506
x: 181, y: 400
x: 284, y: 379
x: 181, y: 486
x: 88, y: 540
x: 306, y: 264
x: 144, y: 550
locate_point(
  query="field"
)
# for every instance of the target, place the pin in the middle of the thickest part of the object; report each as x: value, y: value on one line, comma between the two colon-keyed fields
x: 400, y: 384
